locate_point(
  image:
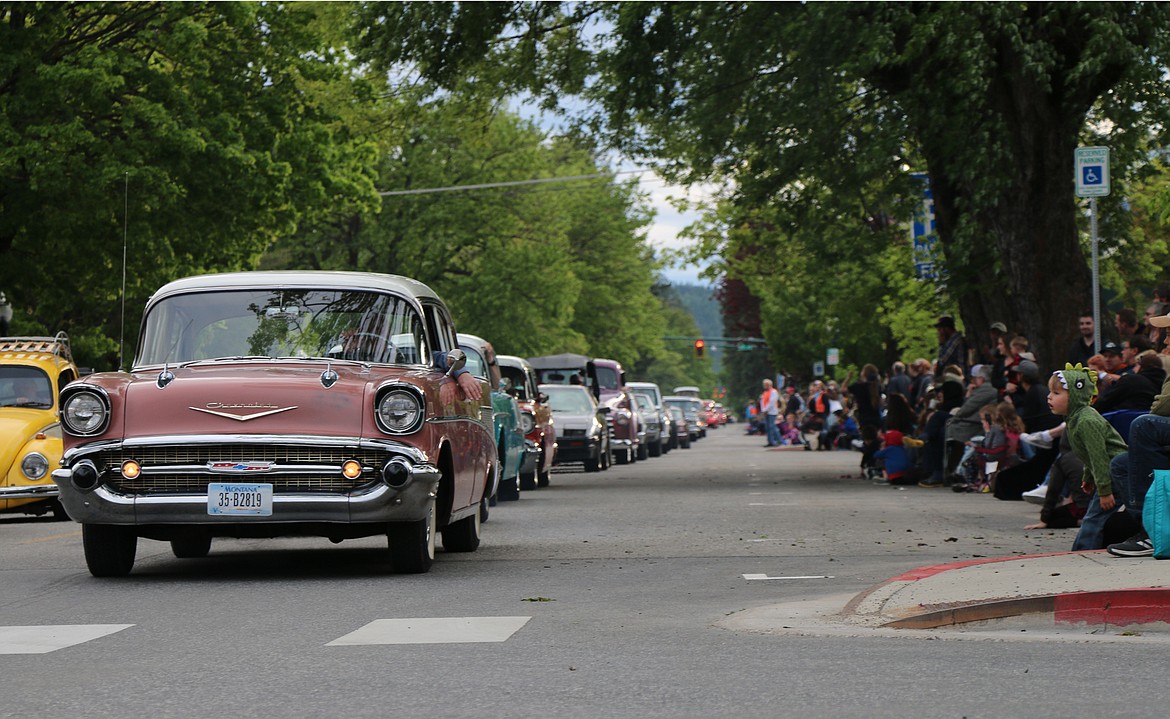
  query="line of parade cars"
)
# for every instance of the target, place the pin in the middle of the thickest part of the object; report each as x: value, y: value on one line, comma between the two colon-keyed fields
x: 310, y: 403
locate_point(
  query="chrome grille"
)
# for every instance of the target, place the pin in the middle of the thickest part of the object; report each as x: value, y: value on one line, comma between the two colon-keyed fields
x: 189, y: 473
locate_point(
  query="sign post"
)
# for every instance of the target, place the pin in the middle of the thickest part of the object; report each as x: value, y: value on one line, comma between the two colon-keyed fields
x: 1092, y: 179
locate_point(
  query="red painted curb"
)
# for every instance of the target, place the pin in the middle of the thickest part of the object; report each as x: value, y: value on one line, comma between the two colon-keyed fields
x: 1119, y: 607
x: 930, y: 571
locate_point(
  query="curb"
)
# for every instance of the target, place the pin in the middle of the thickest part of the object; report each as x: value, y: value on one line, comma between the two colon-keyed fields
x: 1119, y: 608
x: 1113, y: 607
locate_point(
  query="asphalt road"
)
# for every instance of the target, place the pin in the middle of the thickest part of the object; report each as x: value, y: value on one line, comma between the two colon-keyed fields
x: 604, y: 595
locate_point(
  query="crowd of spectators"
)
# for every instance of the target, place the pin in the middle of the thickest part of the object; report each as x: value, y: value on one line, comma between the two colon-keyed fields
x: 977, y: 419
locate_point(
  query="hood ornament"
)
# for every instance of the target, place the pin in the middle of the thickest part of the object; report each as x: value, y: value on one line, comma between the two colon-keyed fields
x: 165, y: 377
x: 329, y: 377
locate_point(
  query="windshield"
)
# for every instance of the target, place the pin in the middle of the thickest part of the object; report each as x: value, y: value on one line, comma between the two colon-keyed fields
x: 475, y: 362
x: 25, y: 387
x: 518, y: 380
x: 342, y: 324
x: 607, y: 378
x: 569, y: 401
x: 644, y: 403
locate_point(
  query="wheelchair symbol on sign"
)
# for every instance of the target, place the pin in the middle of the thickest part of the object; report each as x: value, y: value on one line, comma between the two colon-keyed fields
x: 1091, y: 175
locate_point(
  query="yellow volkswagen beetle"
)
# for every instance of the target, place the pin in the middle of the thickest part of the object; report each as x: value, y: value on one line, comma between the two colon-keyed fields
x: 32, y: 372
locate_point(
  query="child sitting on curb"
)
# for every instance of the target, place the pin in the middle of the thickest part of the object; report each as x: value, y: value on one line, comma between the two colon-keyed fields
x: 895, y: 460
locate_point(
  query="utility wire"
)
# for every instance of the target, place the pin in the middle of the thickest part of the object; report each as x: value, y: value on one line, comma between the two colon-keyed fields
x: 515, y: 183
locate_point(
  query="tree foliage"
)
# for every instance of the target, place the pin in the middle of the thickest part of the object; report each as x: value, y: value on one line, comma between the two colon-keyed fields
x: 534, y: 268
x: 816, y: 109
x: 199, y: 132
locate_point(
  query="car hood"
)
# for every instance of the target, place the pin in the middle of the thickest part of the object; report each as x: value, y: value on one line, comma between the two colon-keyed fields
x: 572, y: 421
x: 245, y: 399
x: 17, y: 427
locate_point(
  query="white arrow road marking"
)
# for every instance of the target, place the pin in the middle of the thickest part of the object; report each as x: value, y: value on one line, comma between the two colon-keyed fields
x: 445, y: 630
x: 51, y: 637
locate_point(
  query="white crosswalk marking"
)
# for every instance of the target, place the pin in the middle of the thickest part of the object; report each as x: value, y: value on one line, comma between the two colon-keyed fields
x: 446, y: 630
x: 51, y: 637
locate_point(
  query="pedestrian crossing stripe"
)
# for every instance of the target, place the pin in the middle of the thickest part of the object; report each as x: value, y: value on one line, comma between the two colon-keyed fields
x: 51, y: 637
x: 47, y: 638
x: 446, y: 630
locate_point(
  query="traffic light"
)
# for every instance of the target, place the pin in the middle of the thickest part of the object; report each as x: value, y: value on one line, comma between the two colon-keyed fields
x: 699, y: 346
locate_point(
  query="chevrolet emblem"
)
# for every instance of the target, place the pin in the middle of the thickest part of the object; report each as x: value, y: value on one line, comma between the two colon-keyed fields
x: 241, y: 417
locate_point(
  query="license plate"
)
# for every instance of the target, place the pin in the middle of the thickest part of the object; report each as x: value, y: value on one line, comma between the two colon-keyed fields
x: 239, y: 499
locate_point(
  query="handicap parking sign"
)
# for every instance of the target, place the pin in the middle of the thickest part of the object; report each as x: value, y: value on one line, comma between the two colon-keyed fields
x: 1092, y: 173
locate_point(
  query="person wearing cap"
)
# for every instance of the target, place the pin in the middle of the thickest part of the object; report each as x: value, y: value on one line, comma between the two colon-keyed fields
x: 989, y: 353
x: 1115, y: 365
x: 1133, y: 472
x: 952, y: 346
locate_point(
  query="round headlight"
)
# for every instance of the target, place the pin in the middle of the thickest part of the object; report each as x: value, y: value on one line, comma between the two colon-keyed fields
x: 527, y: 423
x: 85, y: 413
x: 399, y: 411
x: 34, y: 465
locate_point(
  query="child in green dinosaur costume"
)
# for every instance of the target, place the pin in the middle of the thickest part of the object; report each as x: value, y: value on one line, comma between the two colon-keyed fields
x: 1093, y: 440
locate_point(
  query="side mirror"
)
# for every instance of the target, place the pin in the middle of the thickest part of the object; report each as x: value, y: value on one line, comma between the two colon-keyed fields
x: 456, y: 359
x: 604, y: 409
x: 542, y: 398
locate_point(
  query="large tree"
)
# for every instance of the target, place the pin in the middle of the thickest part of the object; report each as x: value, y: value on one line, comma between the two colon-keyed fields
x: 802, y: 103
x: 199, y: 132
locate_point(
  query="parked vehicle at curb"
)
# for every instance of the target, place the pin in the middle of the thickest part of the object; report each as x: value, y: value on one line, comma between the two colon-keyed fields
x: 32, y: 372
x: 581, y: 432
x: 535, y: 418
x: 693, y: 410
x: 655, y: 430
x: 506, y: 423
x: 668, y: 439
x: 682, y: 434
x: 270, y: 404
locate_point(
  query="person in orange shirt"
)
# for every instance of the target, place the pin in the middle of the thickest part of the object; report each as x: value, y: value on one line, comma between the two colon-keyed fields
x: 770, y: 409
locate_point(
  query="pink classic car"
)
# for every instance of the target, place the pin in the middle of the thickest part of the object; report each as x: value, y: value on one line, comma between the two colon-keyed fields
x: 266, y: 404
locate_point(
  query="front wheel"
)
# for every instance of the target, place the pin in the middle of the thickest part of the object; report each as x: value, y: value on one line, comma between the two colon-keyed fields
x: 109, y: 549
x: 643, y: 452
x: 462, y: 536
x: 509, y: 490
x: 412, y: 544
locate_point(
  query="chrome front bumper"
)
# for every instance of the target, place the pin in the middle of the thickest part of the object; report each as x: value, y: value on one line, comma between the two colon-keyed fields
x: 378, y: 503
x: 371, y: 502
x: 36, y: 491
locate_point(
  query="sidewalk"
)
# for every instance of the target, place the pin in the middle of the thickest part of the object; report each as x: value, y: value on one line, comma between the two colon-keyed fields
x: 1090, y: 588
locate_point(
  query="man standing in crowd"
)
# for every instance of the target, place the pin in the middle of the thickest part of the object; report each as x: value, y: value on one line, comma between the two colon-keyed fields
x: 1083, y: 348
x: 952, y: 346
x: 769, y: 408
x: 900, y: 382
x: 1127, y: 324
